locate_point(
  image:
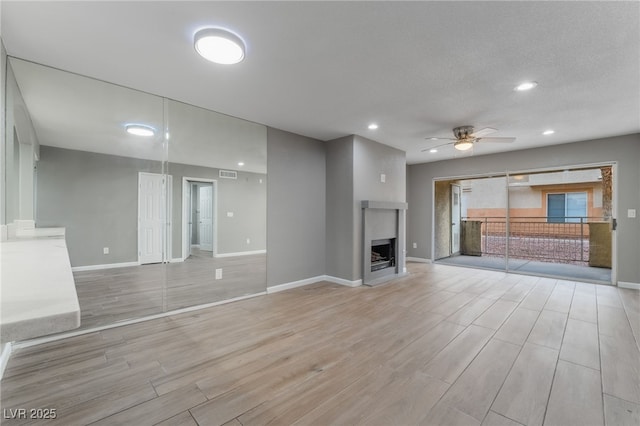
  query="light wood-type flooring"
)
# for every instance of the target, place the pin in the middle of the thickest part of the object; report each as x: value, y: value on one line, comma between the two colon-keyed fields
x: 107, y: 296
x: 442, y: 346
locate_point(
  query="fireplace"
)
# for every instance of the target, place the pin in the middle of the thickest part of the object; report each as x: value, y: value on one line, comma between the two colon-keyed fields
x: 383, y: 254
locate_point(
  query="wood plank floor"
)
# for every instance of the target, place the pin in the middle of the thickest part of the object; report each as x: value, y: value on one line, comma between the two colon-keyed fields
x: 110, y: 295
x: 443, y: 346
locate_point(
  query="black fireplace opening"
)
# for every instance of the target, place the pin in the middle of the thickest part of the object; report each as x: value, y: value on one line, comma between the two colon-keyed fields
x: 383, y: 254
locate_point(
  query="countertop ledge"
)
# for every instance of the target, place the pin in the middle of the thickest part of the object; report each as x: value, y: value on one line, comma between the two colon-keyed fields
x: 38, y: 294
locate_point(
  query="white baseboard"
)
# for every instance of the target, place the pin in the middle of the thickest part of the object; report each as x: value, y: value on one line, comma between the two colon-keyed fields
x: 294, y: 284
x: 4, y: 358
x: 105, y: 266
x: 176, y: 260
x: 240, y: 253
x: 313, y: 280
x: 342, y: 281
x: 419, y: 260
x: 632, y: 286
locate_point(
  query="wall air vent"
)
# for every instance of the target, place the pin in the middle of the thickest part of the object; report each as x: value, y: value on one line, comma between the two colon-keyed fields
x: 228, y: 174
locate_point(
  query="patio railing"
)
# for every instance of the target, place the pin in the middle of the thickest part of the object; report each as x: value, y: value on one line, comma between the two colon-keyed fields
x: 558, y: 240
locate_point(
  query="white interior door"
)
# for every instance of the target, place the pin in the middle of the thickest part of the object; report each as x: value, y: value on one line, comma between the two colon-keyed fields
x: 456, y: 212
x: 205, y: 223
x: 151, y: 213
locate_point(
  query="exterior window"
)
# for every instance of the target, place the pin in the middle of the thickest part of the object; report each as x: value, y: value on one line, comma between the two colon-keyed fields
x: 569, y: 207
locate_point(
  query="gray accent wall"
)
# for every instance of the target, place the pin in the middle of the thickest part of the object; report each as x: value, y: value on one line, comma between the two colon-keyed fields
x: 340, y: 214
x: 370, y: 160
x: 95, y: 196
x: 625, y: 150
x: 295, y: 207
x: 354, y: 166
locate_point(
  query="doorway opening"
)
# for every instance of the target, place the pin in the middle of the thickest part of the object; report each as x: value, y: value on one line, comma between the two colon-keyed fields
x: 199, y: 236
x: 556, y: 223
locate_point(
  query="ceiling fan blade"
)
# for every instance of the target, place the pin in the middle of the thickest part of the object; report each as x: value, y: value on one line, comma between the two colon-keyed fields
x: 483, y: 132
x: 440, y: 139
x: 496, y: 140
x: 437, y: 146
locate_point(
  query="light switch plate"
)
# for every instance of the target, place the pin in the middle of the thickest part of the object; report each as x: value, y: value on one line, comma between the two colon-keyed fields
x: 219, y: 274
x: 229, y: 214
x: 631, y: 213
x: 383, y: 178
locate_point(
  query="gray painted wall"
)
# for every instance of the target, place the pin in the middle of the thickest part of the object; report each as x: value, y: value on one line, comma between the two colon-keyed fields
x: 95, y: 196
x: 3, y: 85
x: 20, y: 148
x: 354, y: 166
x: 339, y: 207
x: 296, y: 207
x: 625, y: 150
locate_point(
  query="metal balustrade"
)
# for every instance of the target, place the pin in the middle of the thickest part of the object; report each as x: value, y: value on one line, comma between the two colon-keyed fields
x: 557, y: 240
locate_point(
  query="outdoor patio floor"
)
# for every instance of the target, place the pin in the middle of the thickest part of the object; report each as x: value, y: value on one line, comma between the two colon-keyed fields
x: 530, y: 267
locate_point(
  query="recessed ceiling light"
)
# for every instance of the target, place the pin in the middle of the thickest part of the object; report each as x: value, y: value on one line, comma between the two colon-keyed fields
x: 373, y: 126
x: 240, y: 164
x: 527, y: 85
x: 219, y: 46
x: 548, y: 132
x: 140, y: 130
x: 433, y: 150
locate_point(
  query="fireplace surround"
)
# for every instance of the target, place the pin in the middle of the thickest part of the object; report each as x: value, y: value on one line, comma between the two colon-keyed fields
x: 383, y: 244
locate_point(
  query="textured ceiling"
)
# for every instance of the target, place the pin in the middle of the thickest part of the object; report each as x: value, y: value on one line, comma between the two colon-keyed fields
x: 328, y: 69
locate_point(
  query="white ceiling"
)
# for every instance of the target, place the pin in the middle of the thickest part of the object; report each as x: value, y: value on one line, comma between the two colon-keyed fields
x: 328, y: 69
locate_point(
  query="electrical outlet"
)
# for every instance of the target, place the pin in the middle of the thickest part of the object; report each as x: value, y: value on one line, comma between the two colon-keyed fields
x: 105, y: 250
x: 229, y: 214
x: 631, y: 213
x: 415, y: 245
x: 219, y: 274
x: 248, y: 241
x: 383, y: 178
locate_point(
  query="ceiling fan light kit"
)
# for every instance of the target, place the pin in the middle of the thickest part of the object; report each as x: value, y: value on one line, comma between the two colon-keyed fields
x: 466, y: 138
x: 463, y: 144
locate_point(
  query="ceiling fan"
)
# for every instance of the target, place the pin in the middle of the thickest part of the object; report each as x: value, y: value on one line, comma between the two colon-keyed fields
x: 465, y: 138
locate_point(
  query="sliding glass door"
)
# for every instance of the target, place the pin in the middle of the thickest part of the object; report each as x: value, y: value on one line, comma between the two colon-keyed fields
x: 552, y: 223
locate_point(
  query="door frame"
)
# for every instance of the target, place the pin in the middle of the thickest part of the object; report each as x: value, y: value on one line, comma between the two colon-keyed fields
x: 459, y: 216
x: 166, y: 208
x: 186, y: 209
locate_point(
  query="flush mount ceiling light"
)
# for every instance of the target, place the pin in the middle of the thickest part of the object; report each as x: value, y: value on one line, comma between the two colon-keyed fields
x: 140, y: 130
x: 463, y: 144
x: 240, y: 164
x: 372, y: 126
x: 433, y: 150
x: 219, y: 46
x: 548, y: 132
x: 527, y: 85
